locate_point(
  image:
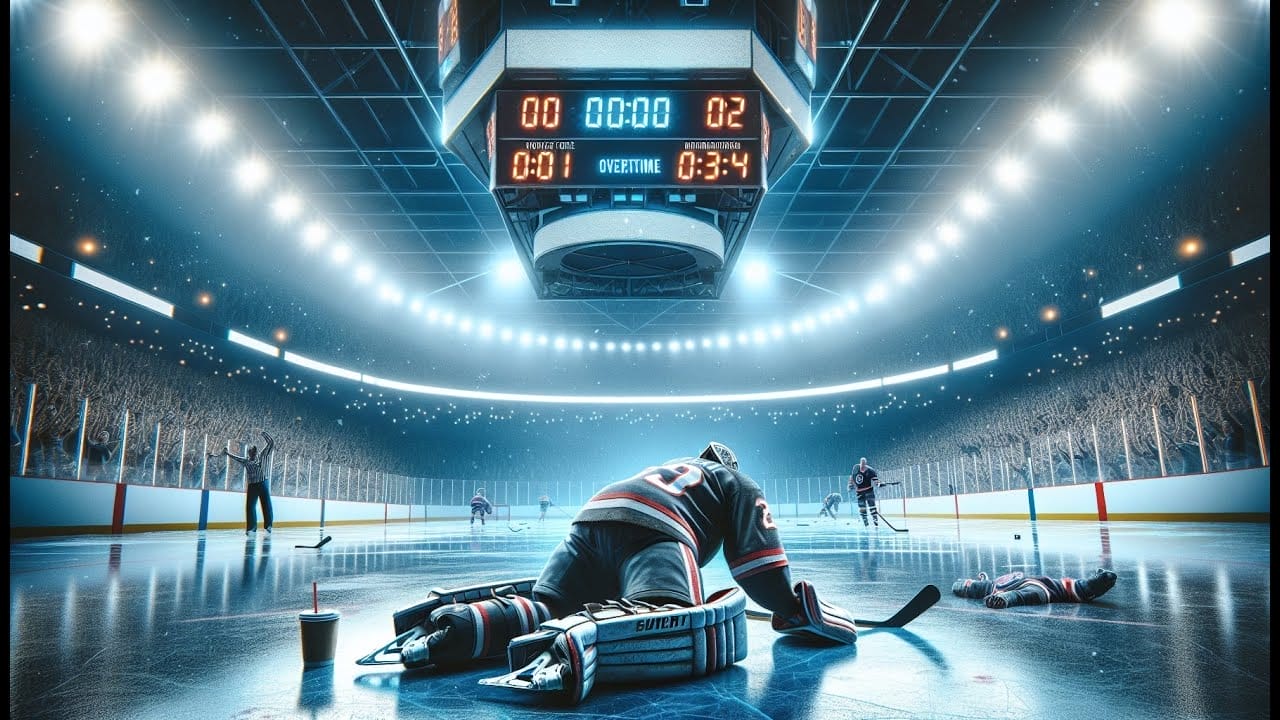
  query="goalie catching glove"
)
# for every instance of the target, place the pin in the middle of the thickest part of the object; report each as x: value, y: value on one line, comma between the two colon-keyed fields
x: 817, y: 620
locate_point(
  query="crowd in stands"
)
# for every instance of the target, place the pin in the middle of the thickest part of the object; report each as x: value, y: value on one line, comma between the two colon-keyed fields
x: 1048, y: 418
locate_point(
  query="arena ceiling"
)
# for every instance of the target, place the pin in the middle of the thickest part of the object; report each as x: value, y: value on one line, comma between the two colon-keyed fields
x: 916, y: 103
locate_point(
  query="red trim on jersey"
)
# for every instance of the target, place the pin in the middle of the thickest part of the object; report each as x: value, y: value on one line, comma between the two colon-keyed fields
x: 762, y: 568
x: 757, y: 554
x: 485, y: 625
x: 695, y: 580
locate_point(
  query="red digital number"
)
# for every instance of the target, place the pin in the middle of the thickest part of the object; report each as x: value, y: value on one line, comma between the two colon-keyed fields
x: 541, y: 166
x: 741, y: 161
x: 711, y: 166
x: 686, y: 166
x: 540, y: 113
x: 725, y: 112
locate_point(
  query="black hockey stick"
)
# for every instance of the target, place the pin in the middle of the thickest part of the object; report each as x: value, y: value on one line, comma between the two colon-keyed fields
x: 923, y: 600
x: 891, y: 527
x: 320, y: 544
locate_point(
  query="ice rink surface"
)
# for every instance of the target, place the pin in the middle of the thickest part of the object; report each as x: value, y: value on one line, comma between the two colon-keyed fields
x: 179, y: 625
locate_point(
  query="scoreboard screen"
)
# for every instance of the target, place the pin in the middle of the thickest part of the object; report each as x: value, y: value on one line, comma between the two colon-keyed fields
x: 668, y: 138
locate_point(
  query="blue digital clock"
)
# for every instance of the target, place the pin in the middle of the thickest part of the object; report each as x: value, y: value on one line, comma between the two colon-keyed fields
x: 583, y: 114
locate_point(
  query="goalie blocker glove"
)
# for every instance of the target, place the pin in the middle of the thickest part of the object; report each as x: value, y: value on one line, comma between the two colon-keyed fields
x: 817, y: 620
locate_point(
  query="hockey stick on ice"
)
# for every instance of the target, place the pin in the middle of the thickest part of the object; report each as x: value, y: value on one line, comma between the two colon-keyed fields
x: 923, y: 600
x: 891, y: 527
x: 320, y: 544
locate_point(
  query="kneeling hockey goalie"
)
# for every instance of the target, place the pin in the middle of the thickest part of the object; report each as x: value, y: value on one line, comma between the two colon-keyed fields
x: 621, y: 598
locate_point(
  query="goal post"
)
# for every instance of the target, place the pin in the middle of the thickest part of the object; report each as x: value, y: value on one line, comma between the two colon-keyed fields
x: 501, y: 513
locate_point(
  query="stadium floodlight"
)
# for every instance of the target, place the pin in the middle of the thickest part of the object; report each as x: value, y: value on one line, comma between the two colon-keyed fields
x: 974, y: 360
x: 1249, y: 251
x: 673, y: 346
x: 625, y: 346
x: 776, y: 331
x: 1052, y: 126
x: 314, y: 235
x: 364, y: 273
x: 655, y: 346
x: 974, y: 205
x: 211, y: 129
x: 89, y: 26
x: 756, y: 272
x: 903, y: 273
x: 485, y: 330
x: 851, y: 304
x: 610, y: 346
x: 1108, y: 77
x: 560, y: 343
x: 689, y: 344
x: 341, y: 253
x: 156, y: 81
x: 758, y: 336
x: 707, y: 343
x: 526, y: 339
x: 251, y: 173
x: 877, y: 292
x: 593, y: 346
x: 723, y: 342
x: 1010, y: 172
x: 286, y: 207
x: 926, y: 252
x: 509, y: 272
x: 743, y: 337
x: 948, y: 233
x: 1177, y: 24
x: 505, y: 335
x: 415, y: 306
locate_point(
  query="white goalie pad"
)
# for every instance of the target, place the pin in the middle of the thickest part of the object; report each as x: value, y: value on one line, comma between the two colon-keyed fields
x: 414, y: 626
x: 628, y: 642
x: 417, y: 614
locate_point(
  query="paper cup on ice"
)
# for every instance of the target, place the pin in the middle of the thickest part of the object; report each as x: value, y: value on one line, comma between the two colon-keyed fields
x: 319, y: 637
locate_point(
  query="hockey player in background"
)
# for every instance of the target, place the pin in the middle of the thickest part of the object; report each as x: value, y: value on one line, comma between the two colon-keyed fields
x: 480, y: 506
x: 1016, y: 588
x: 627, y: 579
x: 831, y: 505
x: 863, y: 481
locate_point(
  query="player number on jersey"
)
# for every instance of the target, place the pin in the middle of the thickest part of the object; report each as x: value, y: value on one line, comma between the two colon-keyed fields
x: 675, y: 479
x: 766, y: 517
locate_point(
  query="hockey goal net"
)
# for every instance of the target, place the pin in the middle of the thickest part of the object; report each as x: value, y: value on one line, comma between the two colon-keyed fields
x: 501, y: 513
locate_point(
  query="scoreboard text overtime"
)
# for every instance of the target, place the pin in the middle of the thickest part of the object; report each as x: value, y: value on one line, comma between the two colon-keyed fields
x: 628, y: 138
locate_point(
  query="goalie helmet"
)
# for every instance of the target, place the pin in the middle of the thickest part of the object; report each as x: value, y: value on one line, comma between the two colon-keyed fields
x: 721, y: 454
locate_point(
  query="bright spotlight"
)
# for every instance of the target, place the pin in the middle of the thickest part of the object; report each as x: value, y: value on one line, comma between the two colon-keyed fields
x: 877, y: 292
x: 673, y: 346
x: 89, y: 26
x: 775, y: 331
x: 560, y: 343
x: 485, y: 330
x: 314, y: 235
x: 156, y: 81
x: 948, y: 233
x: 1177, y: 24
x: 902, y: 273
x: 286, y: 207
x: 526, y: 339
x: 610, y: 346
x: 974, y: 205
x: 851, y: 305
x: 211, y: 129
x: 626, y: 347
x: 758, y: 336
x: 926, y: 252
x: 743, y: 338
x: 1052, y: 126
x: 415, y: 306
x: 252, y: 173
x: 655, y: 346
x: 389, y: 293
x: 341, y: 253
x: 689, y: 345
x: 707, y: 343
x: 756, y: 272
x: 510, y: 272
x: 505, y: 335
x: 723, y: 342
x: 797, y: 327
x: 364, y: 273
x: 1010, y: 173
x: 1109, y: 77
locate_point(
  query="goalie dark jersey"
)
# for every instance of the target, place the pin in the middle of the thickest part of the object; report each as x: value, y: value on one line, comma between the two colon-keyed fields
x: 702, y: 504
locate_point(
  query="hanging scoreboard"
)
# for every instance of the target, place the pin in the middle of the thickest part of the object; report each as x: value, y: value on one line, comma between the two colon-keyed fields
x: 628, y: 146
x: 628, y: 138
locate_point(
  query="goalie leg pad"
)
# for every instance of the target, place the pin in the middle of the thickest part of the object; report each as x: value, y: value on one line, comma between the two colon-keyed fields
x: 473, y: 631
x: 626, y: 642
x: 419, y: 614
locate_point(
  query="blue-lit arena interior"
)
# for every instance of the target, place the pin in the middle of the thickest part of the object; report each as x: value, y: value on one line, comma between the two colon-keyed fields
x: 1017, y: 255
